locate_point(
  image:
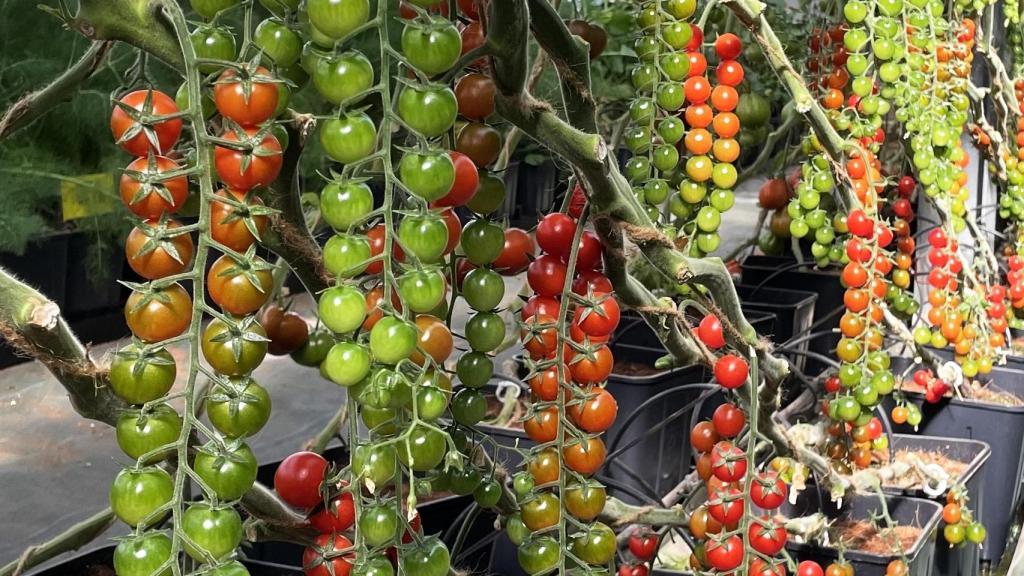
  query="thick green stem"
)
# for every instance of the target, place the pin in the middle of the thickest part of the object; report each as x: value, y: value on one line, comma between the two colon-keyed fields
x: 34, y: 104
x: 71, y: 539
x: 33, y: 325
x: 140, y: 23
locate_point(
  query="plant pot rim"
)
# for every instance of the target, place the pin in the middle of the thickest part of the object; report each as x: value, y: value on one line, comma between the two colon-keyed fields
x: 972, y: 467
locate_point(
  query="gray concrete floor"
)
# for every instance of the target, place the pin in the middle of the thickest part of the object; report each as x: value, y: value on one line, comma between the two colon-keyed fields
x: 56, y: 467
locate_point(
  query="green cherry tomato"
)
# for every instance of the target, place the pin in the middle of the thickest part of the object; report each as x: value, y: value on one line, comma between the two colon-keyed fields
x: 342, y: 308
x: 338, y: 77
x: 143, y: 555
x: 375, y: 463
x: 429, y: 110
x: 230, y: 472
x: 432, y: 48
x: 422, y: 290
x: 482, y: 241
x: 138, y: 378
x: 385, y: 389
x: 425, y: 236
x: 136, y: 494
x: 487, y: 494
x: 233, y: 568
x: 181, y: 98
x: 516, y: 530
x: 140, y: 432
x: 278, y: 42
x: 344, y: 203
x: 469, y: 407
x: 431, y: 402
x: 596, y: 545
x: 380, y: 421
x: 374, y: 567
x: 483, y: 289
x: 485, y: 331
x: 347, y: 363
x: 313, y: 352
x: 213, y: 531
x: 464, y: 482
x: 392, y: 340
x: 346, y: 255
x: 428, y: 558
x: 234, y: 351
x: 349, y: 138
x: 538, y: 555
x: 337, y: 18
x: 474, y: 369
x: 429, y: 175
x: 976, y: 533
x: 238, y: 408
x: 490, y: 195
x: 423, y: 450
x: 378, y: 524
x: 212, y: 43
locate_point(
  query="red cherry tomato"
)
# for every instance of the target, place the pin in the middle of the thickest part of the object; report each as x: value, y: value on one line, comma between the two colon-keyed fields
x: 731, y: 371
x: 710, y: 332
x: 298, y: 478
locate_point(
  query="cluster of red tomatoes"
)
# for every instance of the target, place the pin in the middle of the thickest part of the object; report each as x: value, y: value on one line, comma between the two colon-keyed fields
x: 828, y: 60
x: 568, y: 373
x: 1015, y: 279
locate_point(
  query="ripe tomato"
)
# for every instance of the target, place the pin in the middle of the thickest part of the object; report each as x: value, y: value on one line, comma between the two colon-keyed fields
x: 725, y: 505
x: 728, y: 46
x: 475, y: 93
x: 542, y: 426
x: 539, y: 336
x: 239, y: 288
x: 287, y: 330
x: 710, y: 332
x: 768, y: 540
x: 233, y: 226
x: 591, y: 367
x: 809, y: 568
x: 773, y: 194
x: 768, y: 491
x: 643, y: 546
x: 138, y: 135
x: 544, y: 469
x: 323, y: 560
x: 588, y: 256
x: 592, y: 282
x: 467, y: 179
x: 731, y: 371
x: 480, y: 142
x: 243, y: 170
x: 728, y: 420
x: 595, y: 414
x: 546, y: 275
x: 152, y: 258
x: 598, y: 320
x: 545, y: 384
x: 703, y: 437
x: 515, y: 254
x: 725, y: 555
x: 149, y: 196
x: 728, y: 462
x: 247, y: 98
x: 555, y: 233
x: 298, y: 478
x: 585, y: 457
x: 162, y: 314
x: 541, y: 305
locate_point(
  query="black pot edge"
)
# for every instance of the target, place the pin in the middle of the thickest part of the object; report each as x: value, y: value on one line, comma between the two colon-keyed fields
x: 972, y: 468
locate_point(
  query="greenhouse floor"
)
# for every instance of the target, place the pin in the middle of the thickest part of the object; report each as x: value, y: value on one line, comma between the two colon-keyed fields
x: 56, y: 467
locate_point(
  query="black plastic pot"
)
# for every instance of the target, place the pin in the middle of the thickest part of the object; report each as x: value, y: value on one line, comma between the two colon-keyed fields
x: 101, y: 562
x: 963, y: 559
x: 924, y: 514
x: 774, y: 272
x: 793, y: 311
x: 1001, y: 427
